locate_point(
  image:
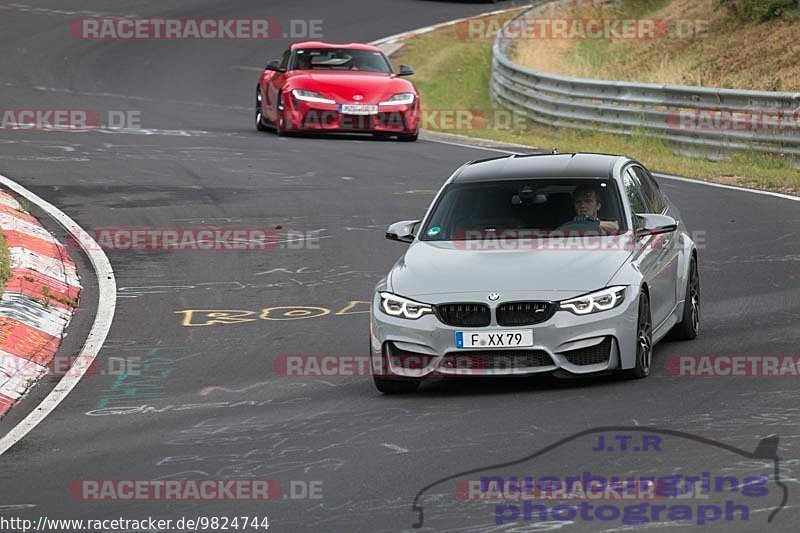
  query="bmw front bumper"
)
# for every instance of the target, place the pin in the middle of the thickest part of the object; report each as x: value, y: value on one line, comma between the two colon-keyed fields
x: 564, y: 343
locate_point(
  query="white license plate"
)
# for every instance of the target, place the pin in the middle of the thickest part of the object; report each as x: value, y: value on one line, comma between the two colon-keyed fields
x: 357, y: 109
x: 517, y: 338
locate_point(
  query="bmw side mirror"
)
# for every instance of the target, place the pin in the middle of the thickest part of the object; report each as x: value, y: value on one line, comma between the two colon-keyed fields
x: 652, y: 224
x: 275, y: 65
x: 402, y: 231
x: 405, y: 70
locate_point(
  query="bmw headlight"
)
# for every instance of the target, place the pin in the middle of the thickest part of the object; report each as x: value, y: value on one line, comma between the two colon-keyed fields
x: 311, y: 96
x: 394, y: 305
x: 595, y: 302
x: 400, y: 99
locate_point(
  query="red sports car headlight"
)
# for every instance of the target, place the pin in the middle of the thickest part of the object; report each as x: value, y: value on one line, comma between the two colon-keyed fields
x: 400, y: 99
x: 311, y: 96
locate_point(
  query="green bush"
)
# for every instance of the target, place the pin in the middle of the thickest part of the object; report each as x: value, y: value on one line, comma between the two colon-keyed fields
x: 757, y: 10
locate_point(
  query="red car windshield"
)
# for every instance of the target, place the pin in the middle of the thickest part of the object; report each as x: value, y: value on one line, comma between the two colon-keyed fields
x: 340, y: 59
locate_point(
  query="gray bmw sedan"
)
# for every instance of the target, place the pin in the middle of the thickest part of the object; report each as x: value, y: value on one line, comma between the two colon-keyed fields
x: 571, y: 264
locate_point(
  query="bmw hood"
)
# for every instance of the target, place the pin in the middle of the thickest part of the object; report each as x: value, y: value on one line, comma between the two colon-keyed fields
x: 446, y: 269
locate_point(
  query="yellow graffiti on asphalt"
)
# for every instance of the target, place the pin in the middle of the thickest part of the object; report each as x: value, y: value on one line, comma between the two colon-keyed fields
x: 293, y: 313
x: 353, y: 304
x: 217, y: 317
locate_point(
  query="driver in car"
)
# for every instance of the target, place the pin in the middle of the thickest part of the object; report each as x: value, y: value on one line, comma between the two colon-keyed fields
x: 369, y: 63
x: 304, y: 62
x: 586, y: 202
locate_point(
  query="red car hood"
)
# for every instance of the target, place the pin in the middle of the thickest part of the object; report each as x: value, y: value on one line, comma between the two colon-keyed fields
x: 374, y: 87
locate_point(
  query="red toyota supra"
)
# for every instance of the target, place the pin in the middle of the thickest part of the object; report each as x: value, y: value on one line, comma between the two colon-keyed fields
x: 346, y: 88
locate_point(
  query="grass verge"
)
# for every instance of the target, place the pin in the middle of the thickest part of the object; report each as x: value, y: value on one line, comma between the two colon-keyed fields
x: 702, y: 44
x: 452, y: 75
x: 5, y: 263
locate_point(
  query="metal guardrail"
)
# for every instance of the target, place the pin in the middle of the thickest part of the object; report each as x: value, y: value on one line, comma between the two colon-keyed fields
x: 697, y: 118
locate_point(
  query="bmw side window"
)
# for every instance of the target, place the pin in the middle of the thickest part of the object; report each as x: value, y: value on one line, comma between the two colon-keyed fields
x: 662, y: 200
x: 633, y: 190
x: 650, y: 190
x: 440, y: 217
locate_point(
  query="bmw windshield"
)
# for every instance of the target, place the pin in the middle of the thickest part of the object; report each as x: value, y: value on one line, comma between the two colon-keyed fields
x: 516, y: 208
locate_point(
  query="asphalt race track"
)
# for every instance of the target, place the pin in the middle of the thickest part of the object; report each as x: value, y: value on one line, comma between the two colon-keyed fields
x: 218, y: 409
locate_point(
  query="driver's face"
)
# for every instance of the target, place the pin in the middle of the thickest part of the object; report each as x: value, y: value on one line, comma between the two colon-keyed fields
x: 586, y: 205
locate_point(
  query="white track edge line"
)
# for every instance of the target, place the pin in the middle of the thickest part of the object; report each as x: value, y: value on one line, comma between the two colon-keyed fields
x: 427, y: 29
x: 657, y: 174
x: 107, y: 298
x: 729, y: 187
x: 478, y: 146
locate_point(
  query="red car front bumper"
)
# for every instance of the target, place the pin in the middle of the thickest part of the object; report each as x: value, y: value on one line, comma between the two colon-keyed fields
x: 308, y: 116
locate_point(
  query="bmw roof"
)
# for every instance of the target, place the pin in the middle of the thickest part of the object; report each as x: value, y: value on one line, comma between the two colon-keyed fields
x: 539, y: 166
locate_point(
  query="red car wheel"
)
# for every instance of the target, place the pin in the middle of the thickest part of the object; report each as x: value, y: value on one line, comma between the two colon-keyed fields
x: 282, y: 124
x: 259, y: 118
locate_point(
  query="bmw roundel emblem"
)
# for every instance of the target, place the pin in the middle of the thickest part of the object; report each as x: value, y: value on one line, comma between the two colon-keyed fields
x: 493, y: 296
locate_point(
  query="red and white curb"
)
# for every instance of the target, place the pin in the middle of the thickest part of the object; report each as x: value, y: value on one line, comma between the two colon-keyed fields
x: 98, y: 332
x: 37, y: 302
